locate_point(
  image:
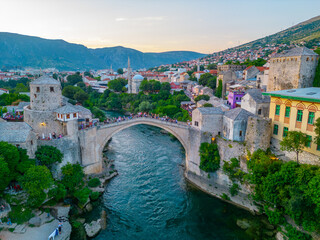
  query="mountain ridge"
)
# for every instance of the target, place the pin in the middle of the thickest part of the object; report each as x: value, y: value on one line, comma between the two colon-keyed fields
x: 32, y: 51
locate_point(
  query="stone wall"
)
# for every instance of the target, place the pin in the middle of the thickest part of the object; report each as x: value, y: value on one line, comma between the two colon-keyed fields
x: 45, y: 99
x: 208, y: 123
x: 258, y: 133
x: 304, y: 157
x: 35, y: 118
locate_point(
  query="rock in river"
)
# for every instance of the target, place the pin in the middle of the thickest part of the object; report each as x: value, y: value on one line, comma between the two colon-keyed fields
x: 93, y: 228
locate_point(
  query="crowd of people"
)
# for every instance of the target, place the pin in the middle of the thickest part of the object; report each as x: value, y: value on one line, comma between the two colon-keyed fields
x: 139, y: 115
x: 12, y: 117
x: 50, y: 136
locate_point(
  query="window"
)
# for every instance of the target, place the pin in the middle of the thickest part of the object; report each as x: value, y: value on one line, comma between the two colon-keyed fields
x: 35, y: 95
x: 285, y: 132
x: 308, y: 143
x: 277, y: 110
x: 318, y: 147
x: 240, y: 133
x: 196, y: 123
x: 299, y: 116
x: 275, y: 129
x: 311, y: 118
x: 259, y: 112
x: 74, y: 115
x: 38, y: 89
x: 68, y: 116
x: 307, y: 59
x: 287, y: 114
x: 51, y: 89
x: 31, y: 142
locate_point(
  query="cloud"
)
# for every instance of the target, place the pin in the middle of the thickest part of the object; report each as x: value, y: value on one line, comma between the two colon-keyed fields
x: 120, y: 19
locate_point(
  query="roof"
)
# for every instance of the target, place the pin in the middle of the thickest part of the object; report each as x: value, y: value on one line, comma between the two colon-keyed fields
x: 82, y: 110
x: 210, y: 110
x: 257, y: 96
x: 311, y: 94
x: 297, y: 51
x: 66, y: 109
x: 3, y: 89
x: 238, y: 114
x: 137, y: 77
x: 45, y: 80
x: 14, y: 131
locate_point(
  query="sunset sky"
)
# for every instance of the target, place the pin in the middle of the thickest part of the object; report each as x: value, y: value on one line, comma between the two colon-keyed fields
x: 154, y: 25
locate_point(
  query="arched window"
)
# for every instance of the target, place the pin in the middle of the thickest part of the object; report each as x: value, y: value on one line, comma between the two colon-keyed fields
x: 307, y: 59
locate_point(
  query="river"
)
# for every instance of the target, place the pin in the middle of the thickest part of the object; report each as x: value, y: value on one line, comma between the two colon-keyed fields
x: 150, y: 198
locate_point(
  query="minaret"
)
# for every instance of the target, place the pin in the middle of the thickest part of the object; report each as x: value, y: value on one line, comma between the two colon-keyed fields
x: 198, y: 70
x: 111, y: 71
x: 129, y: 77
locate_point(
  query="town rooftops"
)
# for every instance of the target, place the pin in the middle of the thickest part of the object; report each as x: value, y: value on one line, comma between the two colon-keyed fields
x: 210, y: 110
x: 257, y: 96
x: 311, y: 94
x: 14, y: 131
x: 45, y: 80
x: 238, y: 114
x: 66, y: 109
x: 297, y: 51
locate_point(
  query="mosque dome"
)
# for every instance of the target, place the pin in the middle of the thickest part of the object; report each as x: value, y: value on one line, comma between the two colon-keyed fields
x: 137, y: 78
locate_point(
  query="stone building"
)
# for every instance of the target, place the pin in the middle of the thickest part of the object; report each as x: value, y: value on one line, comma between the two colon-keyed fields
x: 294, y: 68
x: 226, y: 78
x: 235, y: 124
x: 208, y: 119
x: 256, y: 103
x: 19, y: 134
x: 135, y: 84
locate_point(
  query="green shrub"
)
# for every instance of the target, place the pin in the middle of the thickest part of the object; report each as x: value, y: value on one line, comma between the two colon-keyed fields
x: 232, y: 169
x: 234, y: 189
x: 82, y: 195
x: 225, y: 197
x: 94, y: 182
x: 20, y: 214
x: 294, y: 234
x: 94, y: 196
x: 209, y: 157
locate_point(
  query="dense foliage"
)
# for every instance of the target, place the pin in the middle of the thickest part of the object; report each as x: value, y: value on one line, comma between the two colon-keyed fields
x: 219, y: 89
x: 316, y: 81
x: 208, y: 80
x: 13, y: 99
x: 295, y: 141
x: 286, y: 188
x: 202, y: 97
x: 209, y: 157
x: 48, y: 155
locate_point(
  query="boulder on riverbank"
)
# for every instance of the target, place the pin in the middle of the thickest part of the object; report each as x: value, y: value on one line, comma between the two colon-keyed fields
x: 93, y: 228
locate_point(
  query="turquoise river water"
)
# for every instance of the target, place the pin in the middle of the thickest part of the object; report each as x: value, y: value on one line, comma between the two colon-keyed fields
x: 150, y: 198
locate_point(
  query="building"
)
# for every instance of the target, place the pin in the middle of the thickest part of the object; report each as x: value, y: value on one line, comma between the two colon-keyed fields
x: 230, y: 67
x: 235, y: 124
x: 135, y: 84
x: 291, y: 69
x: 228, y: 77
x: 295, y: 110
x: 208, y: 119
x: 19, y: 134
x: 206, y: 91
x: 252, y: 72
x: 3, y: 90
x: 256, y: 103
x: 234, y: 98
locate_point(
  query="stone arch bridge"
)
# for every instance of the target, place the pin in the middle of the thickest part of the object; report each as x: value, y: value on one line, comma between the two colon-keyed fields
x: 93, y: 140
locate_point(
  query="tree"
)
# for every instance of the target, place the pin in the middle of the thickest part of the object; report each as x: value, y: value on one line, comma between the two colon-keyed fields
x: 204, y: 79
x: 72, y: 176
x: 115, y: 85
x: 21, y: 88
x: 48, y: 155
x: 145, y: 106
x: 81, y: 96
x: 70, y: 91
x: 35, y: 181
x: 294, y: 142
x: 165, y: 86
x: 207, y: 105
x: 202, y: 97
x: 212, y: 66
x: 58, y: 193
x: 316, y: 81
x: 4, y: 174
x: 11, y: 155
x: 317, y: 131
x: 219, y: 89
x: 120, y: 71
x: 74, y: 78
x: 209, y: 157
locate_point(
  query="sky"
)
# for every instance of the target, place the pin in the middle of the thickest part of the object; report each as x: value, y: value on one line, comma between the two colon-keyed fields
x: 204, y: 26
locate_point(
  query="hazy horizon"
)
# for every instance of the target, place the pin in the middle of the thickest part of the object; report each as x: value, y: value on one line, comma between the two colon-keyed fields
x: 152, y: 26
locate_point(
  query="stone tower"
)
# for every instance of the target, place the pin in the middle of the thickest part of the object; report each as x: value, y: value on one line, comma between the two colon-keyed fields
x: 45, y: 97
x: 45, y: 94
x: 292, y: 69
x: 129, y: 77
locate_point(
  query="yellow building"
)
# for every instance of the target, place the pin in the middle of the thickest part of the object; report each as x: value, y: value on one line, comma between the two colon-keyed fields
x: 295, y: 110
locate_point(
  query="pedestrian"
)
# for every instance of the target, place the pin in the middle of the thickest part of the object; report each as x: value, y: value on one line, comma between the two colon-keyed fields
x: 60, y: 227
x: 9, y: 221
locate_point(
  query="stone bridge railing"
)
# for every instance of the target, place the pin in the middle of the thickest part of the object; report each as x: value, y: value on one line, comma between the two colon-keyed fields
x: 144, y: 120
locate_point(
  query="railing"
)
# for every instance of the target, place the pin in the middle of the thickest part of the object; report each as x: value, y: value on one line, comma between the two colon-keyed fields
x: 142, y: 118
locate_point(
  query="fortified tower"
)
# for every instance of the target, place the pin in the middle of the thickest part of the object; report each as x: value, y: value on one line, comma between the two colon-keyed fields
x: 295, y: 68
x: 45, y: 97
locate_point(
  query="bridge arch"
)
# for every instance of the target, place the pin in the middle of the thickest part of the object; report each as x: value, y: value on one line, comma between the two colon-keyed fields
x: 105, y: 133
